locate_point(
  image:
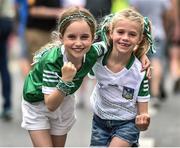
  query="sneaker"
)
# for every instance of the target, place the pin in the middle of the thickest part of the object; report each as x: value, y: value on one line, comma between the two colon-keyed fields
x: 6, y: 115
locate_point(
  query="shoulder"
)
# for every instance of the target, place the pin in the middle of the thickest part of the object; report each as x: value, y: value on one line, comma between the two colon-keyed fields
x: 100, y: 47
x: 53, y: 55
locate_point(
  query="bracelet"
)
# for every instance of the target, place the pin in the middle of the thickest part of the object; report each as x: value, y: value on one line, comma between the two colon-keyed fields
x: 65, y: 87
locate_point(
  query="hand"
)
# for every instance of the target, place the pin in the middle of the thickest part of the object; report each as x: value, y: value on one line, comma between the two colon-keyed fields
x: 68, y: 72
x: 142, y: 121
x: 146, y: 65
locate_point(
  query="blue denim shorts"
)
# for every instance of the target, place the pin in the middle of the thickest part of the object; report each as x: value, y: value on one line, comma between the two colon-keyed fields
x: 104, y: 130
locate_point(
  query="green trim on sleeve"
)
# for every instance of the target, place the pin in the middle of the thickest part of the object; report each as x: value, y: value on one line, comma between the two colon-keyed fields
x: 144, y: 87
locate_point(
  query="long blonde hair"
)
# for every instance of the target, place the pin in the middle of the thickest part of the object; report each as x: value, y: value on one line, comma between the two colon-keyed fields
x: 110, y: 21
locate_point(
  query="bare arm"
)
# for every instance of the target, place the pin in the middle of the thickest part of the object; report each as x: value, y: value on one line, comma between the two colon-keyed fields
x: 146, y: 65
x: 54, y: 99
x: 143, y: 118
x: 45, y: 12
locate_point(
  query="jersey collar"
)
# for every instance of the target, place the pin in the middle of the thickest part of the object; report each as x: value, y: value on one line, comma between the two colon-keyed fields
x: 129, y: 64
x: 131, y: 61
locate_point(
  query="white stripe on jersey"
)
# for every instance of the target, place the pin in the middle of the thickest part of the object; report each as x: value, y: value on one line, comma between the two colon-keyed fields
x: 49, y: 72
x: 50, y: 76
x: 47, y: 90
x: 50, y: 80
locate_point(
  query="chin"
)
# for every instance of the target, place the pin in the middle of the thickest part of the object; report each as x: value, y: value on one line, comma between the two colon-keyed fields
x: 78, y: 56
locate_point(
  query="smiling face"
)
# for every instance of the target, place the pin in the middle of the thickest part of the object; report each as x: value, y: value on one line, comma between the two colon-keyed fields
x: 125, y: 35
x: 77, y: 39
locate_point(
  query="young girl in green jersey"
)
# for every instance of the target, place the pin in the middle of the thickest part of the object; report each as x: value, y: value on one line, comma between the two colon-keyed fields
x: 53, y: 79
x: 121, y: 95
x: 58, y: 71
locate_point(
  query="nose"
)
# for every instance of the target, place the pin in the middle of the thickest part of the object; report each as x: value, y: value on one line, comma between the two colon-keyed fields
x: 125, y: 37
x: 78, y: 42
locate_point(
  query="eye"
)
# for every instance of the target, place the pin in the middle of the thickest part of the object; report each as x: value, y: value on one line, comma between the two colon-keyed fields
x: 120, y: 31
x: 71, y: 36
x: 85, y: 36
x: 133, y: 34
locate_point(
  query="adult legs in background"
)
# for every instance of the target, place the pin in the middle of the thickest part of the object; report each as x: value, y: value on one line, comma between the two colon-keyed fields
x: 6, y: 26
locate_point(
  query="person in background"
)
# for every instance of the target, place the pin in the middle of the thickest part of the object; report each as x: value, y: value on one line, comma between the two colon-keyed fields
x: 7, y: 16
x: 72, y: 3
x: 121, y: 95
x: 41, y: 20
x: 119, y: 5
x: 160, y: 9
x: 173, y: 33
x: 99, y: 8
x: 21, y: 15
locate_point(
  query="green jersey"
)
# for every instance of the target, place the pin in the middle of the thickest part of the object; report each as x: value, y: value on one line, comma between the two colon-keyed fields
x: 45, y: 74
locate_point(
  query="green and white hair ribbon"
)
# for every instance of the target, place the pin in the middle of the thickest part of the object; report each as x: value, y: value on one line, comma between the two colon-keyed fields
x: 148, y: 34
x: 103, y: 28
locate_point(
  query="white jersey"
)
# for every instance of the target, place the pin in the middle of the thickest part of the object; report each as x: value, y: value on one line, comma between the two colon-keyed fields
x: 115, y: 95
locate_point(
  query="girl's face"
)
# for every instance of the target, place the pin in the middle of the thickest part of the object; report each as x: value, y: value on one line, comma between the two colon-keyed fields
x: 77, y: 39
x: 125, y: 35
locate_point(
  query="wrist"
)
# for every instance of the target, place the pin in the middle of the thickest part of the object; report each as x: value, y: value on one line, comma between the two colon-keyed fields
x: 145, y: 113
x: 66, y: 80
x: 65, y: 86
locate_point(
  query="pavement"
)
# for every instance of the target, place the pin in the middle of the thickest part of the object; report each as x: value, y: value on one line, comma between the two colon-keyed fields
x: 164, y: 129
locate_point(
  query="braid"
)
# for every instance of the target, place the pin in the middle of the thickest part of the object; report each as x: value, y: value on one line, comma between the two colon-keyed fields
x: 103, y: 28
x: 147, y: 32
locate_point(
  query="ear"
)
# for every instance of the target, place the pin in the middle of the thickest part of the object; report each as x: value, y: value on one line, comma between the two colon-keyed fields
x: 60, y: 37
x: 95, y: 38
x: 141, y: 38
x: 109, y: 34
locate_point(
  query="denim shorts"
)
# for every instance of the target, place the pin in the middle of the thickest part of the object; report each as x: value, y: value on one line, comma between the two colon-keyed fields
x: 104, y: 130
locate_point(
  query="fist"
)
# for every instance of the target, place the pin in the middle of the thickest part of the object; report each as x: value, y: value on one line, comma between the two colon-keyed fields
x: 142, y: 121
x: 68, y: 72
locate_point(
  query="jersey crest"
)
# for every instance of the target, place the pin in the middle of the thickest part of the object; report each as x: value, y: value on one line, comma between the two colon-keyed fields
x: 128, y: 93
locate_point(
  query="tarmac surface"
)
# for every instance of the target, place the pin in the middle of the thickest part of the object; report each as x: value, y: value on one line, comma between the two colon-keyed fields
x: 164, y: 130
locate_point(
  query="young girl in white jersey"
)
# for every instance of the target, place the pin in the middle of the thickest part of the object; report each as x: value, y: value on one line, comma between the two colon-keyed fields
x: 121, y: 95
x: 58, y: 71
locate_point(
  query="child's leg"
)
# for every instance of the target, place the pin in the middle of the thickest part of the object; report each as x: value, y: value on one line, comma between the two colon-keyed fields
x: 117, y: 142
x: 41, y: 138
x: 59, y: 141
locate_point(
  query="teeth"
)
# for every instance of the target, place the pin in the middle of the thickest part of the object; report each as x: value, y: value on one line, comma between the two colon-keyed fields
x: 77, y: 49
x: 124, y: 44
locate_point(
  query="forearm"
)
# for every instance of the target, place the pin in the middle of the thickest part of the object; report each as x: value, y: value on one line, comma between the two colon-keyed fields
x: 142, y: 108
x: 142, y: 119
x: 53, y: 100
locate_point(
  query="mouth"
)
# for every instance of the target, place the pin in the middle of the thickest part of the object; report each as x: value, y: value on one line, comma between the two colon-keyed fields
x: 124, y: 44
x: 78, y: 49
